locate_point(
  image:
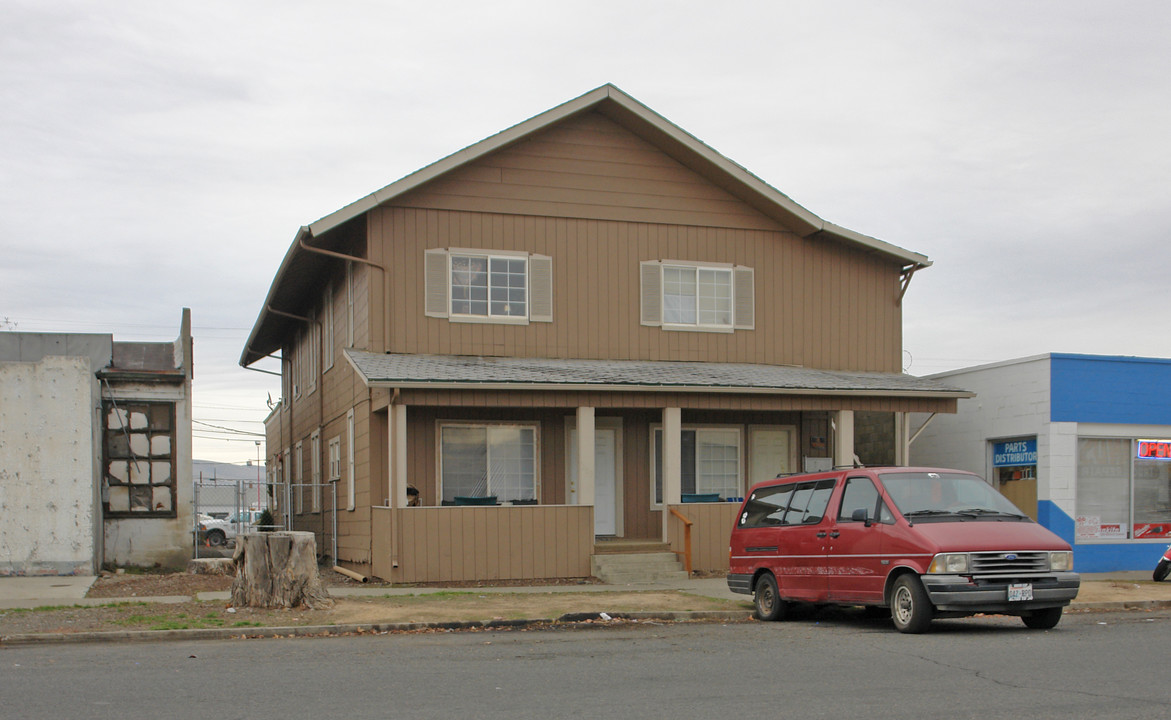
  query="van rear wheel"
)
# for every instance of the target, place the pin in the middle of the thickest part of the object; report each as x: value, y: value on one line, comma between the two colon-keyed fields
x: 910, y: 608
x: 766, y: 598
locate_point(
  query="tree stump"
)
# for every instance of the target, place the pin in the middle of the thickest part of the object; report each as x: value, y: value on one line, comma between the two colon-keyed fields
x: 278, y: 570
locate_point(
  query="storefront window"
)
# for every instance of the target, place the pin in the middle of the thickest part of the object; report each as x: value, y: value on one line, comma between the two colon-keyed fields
x: 1103, y: 488
x: 1152, y: 495
x: 1111, y: 474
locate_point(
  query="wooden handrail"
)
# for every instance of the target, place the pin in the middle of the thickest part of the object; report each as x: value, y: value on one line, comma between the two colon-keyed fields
x: 686, y: 539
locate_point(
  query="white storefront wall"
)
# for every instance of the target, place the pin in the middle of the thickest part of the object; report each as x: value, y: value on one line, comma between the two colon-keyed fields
x: 1012, y: 401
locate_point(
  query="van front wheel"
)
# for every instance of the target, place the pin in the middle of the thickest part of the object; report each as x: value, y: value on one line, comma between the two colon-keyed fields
x: 1161, y: 571
x: 767, y: 599
x: 910, y: 608
x: 1046, y: 619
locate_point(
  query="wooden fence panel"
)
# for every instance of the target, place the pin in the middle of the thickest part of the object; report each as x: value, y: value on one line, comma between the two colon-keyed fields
x: 710, y: 533
x: 439, y: 544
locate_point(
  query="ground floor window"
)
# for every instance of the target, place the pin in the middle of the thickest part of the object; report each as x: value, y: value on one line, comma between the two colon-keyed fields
x: 709, y: 462
x: 138, y: 446
x: 488, y: 460
x: 1123, y: 488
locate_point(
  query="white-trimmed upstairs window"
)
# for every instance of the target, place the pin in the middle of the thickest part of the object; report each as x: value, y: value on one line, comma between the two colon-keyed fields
x: 678, y: 295
x: 488, y: 286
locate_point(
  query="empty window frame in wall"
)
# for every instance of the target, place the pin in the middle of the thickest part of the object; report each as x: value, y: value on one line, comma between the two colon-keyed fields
x: 138, y: 459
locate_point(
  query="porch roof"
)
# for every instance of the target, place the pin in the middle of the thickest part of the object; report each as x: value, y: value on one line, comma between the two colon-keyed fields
x: 519, y: 373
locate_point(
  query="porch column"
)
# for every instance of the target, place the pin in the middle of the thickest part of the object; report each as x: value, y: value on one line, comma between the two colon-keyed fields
x: 585, y: 456
x: 397, y: 460
x: 672, y: 470
x: 843, y: 438
x: 902, y: 432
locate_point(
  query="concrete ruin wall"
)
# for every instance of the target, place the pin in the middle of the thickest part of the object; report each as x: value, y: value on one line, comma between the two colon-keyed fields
x: 48, y: 524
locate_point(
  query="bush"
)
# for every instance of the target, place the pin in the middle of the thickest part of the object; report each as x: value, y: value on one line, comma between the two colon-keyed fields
x: 266, y: 522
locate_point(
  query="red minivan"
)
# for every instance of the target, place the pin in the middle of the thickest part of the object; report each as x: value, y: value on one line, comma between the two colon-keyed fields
x: 924, y: 542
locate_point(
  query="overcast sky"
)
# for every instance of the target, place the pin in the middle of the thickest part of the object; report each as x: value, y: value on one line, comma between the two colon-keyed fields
x: 160, y: 155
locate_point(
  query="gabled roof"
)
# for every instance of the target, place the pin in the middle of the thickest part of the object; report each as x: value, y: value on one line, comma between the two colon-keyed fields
x: 296, y: 269
x: 518, y: 373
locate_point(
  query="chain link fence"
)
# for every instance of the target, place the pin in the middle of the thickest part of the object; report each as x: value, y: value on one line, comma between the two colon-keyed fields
x: 226, y: 509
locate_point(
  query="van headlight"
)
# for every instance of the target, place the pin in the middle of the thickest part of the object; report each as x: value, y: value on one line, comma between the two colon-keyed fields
x: 1061, y: 561
x: 949, y: 563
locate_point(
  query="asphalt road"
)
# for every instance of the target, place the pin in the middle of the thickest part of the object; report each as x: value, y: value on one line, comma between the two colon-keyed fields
x: 1099, y: 665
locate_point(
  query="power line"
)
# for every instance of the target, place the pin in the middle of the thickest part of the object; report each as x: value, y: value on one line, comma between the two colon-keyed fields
x: 228, y: 429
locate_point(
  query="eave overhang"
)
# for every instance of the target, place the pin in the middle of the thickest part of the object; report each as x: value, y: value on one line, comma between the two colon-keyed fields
x: 446, y: 372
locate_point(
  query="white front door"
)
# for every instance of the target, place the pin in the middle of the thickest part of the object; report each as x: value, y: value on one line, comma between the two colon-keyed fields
x: 771, y: 452
x: 605, y: 478
x: 605, y: 505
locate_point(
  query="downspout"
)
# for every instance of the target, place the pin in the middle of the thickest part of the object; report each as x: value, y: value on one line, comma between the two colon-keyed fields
x: 390, y: 433
x: 351, y: 258
x: 320, y: 383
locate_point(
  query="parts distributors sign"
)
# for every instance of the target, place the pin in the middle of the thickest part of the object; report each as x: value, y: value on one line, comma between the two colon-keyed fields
x: 1014, y: 452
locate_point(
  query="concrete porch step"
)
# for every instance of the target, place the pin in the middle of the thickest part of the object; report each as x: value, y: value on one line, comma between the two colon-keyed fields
x: 623, y: 546
x: 626, y: 568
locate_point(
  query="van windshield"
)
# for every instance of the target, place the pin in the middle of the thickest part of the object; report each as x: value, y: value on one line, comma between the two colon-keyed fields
x: 932, y: 496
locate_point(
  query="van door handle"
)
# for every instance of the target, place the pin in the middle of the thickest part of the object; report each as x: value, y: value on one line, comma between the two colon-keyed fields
x: 821, y: 534
x: 835, y: 534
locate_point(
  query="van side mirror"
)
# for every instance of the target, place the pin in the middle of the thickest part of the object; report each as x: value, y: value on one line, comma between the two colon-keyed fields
x: 861, y: 515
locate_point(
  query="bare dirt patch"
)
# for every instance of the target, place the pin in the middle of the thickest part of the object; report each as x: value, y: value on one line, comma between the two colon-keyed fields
x: 161, y: 584
x: 484, y: 607
x: 132, y: 585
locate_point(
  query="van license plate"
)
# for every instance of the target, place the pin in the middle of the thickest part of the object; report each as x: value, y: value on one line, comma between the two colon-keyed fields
x: 1020, y: 591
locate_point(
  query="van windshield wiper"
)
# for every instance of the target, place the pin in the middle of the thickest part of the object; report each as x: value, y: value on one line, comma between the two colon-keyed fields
x: 985, y: 511
x: 920, y: 513
x: 923, y: 513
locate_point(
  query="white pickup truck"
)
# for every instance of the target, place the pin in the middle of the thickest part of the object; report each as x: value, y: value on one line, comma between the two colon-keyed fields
x: 216, y: 532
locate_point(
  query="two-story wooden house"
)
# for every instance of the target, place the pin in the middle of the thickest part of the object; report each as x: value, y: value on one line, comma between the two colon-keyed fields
x: 588, y: 326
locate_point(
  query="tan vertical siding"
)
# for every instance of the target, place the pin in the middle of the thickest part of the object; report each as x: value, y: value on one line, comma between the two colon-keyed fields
x: 710, y: 532
x: 449, y: 544
x: 817, y: 304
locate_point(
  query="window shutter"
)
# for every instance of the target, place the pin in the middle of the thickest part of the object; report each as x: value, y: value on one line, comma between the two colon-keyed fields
x: 438, y: 284
x: 652, y: 292
x: 540, y: 288
x: 744, y: 302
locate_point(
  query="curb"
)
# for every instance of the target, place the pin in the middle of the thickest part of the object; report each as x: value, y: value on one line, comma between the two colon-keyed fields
x: 571, y: 620
x: 1120, y: 605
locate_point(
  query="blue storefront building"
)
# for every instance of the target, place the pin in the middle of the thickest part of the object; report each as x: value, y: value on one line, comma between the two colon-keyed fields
x: 1082, y: 443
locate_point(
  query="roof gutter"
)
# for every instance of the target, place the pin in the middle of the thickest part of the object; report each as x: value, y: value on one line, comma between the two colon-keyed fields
x: 424, y: 385
x: 340, y: 256
x: 587, y: 387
